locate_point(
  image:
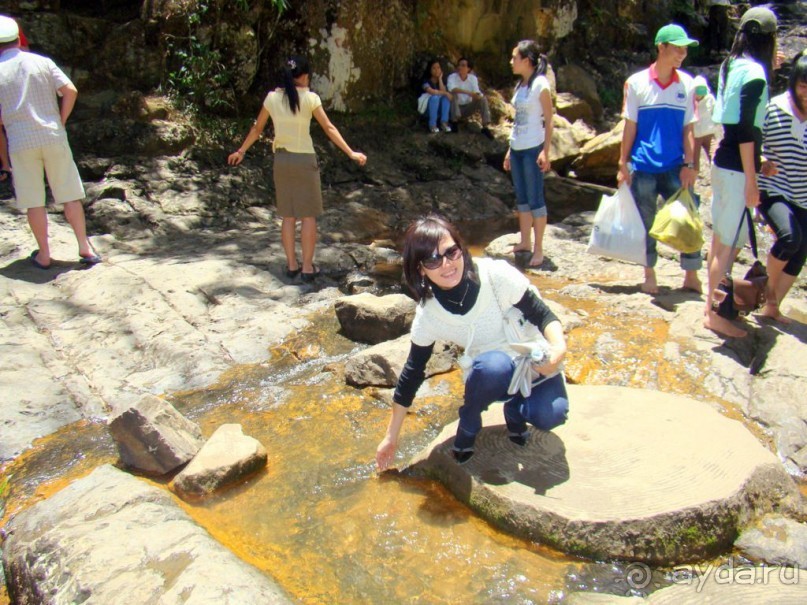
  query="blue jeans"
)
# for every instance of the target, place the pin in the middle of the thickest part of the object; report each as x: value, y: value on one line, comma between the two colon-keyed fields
x: 646, y: 187
x: 528, y: 181
x: 438, y: 104
x: 490, y: 375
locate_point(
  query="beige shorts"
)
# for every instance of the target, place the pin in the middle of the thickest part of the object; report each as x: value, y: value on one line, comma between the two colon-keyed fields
x: 297, y: 184
x: 54, y: 161
x: 728, y: 203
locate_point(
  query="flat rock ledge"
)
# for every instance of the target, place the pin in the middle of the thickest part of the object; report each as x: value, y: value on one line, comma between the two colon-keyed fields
x: 633, y: 474
x: 112, y: 538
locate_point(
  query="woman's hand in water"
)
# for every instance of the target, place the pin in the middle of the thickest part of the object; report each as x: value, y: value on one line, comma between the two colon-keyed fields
x: 385, y: 453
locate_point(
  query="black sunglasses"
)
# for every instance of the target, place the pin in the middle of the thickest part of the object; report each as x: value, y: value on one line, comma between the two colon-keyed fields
x: 435, y: 261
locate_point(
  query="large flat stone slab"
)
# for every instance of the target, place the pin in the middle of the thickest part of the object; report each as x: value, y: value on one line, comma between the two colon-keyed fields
x: 633, y: 474
x: 111, y: 538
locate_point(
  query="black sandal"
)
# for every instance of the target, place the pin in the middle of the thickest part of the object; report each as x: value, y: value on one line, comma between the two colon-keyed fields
x: 309, y: 277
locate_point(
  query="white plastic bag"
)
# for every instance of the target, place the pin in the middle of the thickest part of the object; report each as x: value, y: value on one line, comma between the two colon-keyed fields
x: 618, y: 231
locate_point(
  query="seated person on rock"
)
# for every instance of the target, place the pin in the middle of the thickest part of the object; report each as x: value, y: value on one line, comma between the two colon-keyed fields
x: 435, y: 100
x: 469, y: 303
x: 467, y: 98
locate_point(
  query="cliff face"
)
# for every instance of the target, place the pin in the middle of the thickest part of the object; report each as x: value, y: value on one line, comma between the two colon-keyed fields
x: 362, y: 51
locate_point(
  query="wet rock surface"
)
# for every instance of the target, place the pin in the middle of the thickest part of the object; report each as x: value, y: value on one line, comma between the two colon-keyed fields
x: 110, y: 535
x: 634, y: 475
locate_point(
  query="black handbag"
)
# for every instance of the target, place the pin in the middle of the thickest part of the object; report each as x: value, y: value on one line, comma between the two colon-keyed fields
x: 735, y: 298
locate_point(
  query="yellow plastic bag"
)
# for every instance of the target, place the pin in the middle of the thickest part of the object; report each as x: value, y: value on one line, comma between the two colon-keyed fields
x: 678, y: 223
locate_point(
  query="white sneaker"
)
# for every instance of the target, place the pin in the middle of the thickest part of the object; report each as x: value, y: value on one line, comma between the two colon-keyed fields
x: 434, y: 130
x: 445, y: 127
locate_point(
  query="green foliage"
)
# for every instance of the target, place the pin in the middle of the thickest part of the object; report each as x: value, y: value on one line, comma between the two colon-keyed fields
x: 611, y: 98
x: 196, y: 72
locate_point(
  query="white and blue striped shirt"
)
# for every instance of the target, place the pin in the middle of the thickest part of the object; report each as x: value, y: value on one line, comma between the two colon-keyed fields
x: 785, y: 142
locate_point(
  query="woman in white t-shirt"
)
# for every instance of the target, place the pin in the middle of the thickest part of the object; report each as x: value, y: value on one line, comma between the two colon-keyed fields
x: 530, y: 142
x: 296, y: 173
x: 471, y: 304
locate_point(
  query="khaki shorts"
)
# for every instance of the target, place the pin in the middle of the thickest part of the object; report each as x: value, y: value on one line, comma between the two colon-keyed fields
x: 32, y: 165
x: 728, y: 203
x: 297, y: 184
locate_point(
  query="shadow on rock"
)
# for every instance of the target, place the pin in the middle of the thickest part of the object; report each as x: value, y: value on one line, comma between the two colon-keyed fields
x: 22, y: 270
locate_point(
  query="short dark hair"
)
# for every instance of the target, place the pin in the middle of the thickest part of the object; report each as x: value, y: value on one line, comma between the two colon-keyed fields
x: 421, y: 240
x: 798, y: 74
x: 467, y: 60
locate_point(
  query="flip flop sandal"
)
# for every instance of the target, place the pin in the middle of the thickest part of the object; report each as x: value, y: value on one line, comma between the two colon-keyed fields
x: 292, y: 273
x: 309, y: 277
x: 90, y: 260
x: 35, y: 262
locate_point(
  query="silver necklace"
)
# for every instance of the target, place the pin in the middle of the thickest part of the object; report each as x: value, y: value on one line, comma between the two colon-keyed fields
x: 462, y: 300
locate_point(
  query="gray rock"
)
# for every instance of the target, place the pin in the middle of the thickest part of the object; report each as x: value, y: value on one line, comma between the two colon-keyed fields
x: 374, y: 319
x: 227, y: 457
x: 776, y: 541
x: 154, y: 438
x: 381, y: 364
x: 680, y: 484
x: 112, y: 538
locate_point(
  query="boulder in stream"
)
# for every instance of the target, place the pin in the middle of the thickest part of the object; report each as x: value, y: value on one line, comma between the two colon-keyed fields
x: 637, y: 475
x: 227, y: 457
x: 374, y: 319
x: 381, y: 365
x: 155, y: 438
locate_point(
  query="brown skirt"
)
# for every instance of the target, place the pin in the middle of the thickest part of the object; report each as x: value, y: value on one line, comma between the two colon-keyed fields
x: 297, y: 184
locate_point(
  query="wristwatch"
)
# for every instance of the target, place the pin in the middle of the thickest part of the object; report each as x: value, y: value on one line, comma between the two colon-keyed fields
x: 690, y: 165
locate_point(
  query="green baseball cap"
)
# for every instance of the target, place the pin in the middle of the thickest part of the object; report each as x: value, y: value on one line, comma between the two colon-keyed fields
x: 674, y: 34
x: 758, y: 20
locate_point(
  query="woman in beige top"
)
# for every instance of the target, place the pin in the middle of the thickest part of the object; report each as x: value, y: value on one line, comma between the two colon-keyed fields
x: 296, y: 174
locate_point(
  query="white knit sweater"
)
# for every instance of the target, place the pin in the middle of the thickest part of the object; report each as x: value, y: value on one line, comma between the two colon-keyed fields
x: 482, y: 328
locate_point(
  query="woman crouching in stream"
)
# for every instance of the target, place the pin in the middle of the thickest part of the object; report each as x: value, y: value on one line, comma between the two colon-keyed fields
x: 474, y: 304
x: 296, y: 173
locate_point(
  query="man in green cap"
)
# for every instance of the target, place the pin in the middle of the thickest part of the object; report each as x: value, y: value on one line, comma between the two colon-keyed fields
x: 656, y: 155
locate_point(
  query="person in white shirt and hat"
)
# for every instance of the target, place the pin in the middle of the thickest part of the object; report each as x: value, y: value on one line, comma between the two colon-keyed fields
x: 37, y: 141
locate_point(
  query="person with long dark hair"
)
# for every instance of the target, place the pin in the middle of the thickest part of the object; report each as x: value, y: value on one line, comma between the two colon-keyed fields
x: 435, y: 101
x: 296, y: 173
x: 783, y: 186
x: 468, y: 302
x: 742, y: 95
x: 530, y: 145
